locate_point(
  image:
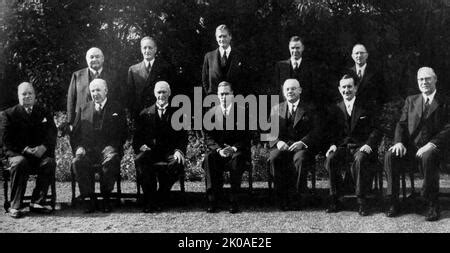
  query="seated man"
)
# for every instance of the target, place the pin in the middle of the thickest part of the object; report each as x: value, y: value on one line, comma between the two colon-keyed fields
x: 354, y: 138
x: 422, y: 137
x: 99, y: 133
x: 228, y: 148
x: 29, y: 142
x: 294, y: 147
x: 156, y: 141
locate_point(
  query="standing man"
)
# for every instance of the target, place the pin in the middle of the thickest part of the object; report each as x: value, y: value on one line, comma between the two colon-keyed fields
x: 422, y: 137
x: 223, y: 64
x: 78, y: 94
x: 371, y: 84
x: 297, y: 68
x: 354, y: 138
x: 294, y: 147
x: 156, y: 141
x: 29, y: 142
x: 228, y: 149
x: 143, y: 76
x: 99, y: 134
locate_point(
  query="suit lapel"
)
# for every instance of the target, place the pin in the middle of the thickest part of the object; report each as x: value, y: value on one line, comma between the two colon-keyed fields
x: 434, y: 105
x: 142, y: 71
x: 416, y: 114
x: 216, y: 63
x: 356, y: 112
x: 299, y: 113
x: 85, y: 88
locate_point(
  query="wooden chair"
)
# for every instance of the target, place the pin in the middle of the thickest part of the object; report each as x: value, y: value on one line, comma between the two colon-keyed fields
x: 118, y: 195
x: 249, y: 169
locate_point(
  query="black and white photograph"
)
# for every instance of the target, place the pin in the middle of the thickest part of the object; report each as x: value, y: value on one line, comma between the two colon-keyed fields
x: 224, y: 123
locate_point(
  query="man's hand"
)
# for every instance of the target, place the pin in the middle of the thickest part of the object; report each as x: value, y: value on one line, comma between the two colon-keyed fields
x: 281, y: 145
x: 65, y: 128
x: 229, y: 150
x: 398, y: 149
x: 332, y: 149
x: 299, y: 145
x: 80, y: 151
x: 366, y: 148
x: 428, y: 147
x: 144, y: 148
x: 39, y: 151
x: 179, y: 157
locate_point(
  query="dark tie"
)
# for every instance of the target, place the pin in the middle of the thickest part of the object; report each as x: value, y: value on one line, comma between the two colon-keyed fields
x: 160, y: 112
x: 224, y: 59
x: 359, y: 74
x: 28, y: 110
x: 295, y: 66
x: 148, y: 68
x: 291, y: 113
x: 426, y: 108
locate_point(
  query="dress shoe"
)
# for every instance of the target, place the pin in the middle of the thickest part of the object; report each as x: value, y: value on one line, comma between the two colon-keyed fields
x: 14, y: 213
x: 36, y: 208
x: 234, y: 208
x: 212, y: 207
x: 152, y: 208
x: 362, y: 209
x: 433, y: 213
x: 107, y: 208
x: 333, y: 207
x: 392, y: 211
x: 89, y: 206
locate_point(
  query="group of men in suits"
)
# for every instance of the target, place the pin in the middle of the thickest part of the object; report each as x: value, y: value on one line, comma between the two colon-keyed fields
x: 348, y: 131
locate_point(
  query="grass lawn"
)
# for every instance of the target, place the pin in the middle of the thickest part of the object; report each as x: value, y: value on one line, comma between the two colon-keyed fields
x: 259, y: 215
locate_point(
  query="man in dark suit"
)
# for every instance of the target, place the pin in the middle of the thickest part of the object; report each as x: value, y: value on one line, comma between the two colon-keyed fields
x: 228, y: 145
x: 296, y: 67
x: 294, y: 147
x: 78, y: 93
x: 354, y: 137
x: 99, y: 134
x: 29, y: 142
x: 370, y: 81
x: 143, y: 76
x: 223, y: 64
x: 157, y: 141
x: 422, y: 137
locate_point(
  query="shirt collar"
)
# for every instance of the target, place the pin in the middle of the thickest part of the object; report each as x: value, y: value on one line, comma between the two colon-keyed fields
x: 30, y: 107
x: 363, y: 68
x: 228, y: 51
x: 162, y: 107
x: 102, y: 104
x: 299, y: 61
x: 295, y: 104
x: 226, y: 110
x: 431, y: 97
x: 93, y: 70
x: 351, y: 102
x: 149, y: 62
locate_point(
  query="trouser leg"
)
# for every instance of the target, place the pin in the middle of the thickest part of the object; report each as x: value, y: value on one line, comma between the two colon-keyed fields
x: 45, y: 176
x: 19, y: 170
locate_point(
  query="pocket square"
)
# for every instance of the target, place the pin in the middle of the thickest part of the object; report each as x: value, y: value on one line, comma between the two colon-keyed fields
x: 362, y: 117
x: 44, y: 120
x: 115, y: 114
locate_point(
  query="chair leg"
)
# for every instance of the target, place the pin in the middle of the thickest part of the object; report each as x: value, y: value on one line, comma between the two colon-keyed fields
x: 411, y: 179
x: 6, y: 204
x: 313, y: 179
x: 74, y: 185
x: 269, y: 177
x: 182, y: 187
x: 250, y: 179
x: 119, y: 189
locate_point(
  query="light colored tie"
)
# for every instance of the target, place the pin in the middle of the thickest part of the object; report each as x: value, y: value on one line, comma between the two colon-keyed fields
x: 359, y: 74
x: 98, y: 107
x: 349, y: 109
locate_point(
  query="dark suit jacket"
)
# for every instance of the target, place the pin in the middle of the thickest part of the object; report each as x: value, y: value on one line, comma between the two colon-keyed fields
x: 215, y: 139
x: 113, y: 130
x: 437, y: 123
x: 372, y: 88
x: 141, y: 86
x: 23, y: 130
x: 158, y: 134
x: 312, y: 91
x: 306, y: 125
x: 362, y: 128
x: 212, y: 74
x: 79, y: 94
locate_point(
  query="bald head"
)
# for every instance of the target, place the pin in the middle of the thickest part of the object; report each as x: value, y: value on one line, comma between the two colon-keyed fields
x: 26, y: 94
x: 99, y: 89
x: 162, y: 92
x: 95, y: 58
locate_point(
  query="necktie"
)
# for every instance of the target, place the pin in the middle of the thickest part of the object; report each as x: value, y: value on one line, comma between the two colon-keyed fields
x: 96, y: 74
x: 295, y: 65
x: 98, y: 107
x: 359, y: 74
x: 160, y: 111
x: 349, y: 109
x: 291, y: 112
x: 426, y: 108
x: 28, y: 110
x: 149, y: 68
x: 224, y: 59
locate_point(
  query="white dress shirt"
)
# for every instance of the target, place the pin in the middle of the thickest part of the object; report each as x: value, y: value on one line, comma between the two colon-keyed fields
x: 298, y: 62
x: 227, y: 51
x: 349, y: 105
